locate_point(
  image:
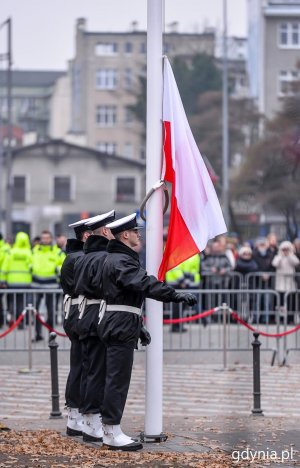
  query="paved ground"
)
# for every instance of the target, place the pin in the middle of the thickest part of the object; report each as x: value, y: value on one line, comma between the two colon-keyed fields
x: 207, y: 411
x: 190, y: 390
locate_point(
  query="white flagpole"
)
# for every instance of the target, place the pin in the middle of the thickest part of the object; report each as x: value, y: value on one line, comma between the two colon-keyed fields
x: 154, y: 229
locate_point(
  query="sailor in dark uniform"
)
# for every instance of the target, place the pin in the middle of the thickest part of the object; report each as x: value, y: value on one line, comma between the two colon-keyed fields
x: 74, y: 249
x: 125, y: 286
x: 88, y: 275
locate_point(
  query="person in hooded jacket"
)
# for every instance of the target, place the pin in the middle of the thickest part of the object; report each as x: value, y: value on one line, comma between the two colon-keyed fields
x: 87, y: 276
x: 74, y: 249
x: 4, y: 250
x: 16, y: 273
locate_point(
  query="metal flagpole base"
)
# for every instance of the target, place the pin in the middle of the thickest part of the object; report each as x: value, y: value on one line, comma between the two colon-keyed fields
x: 153, y: 438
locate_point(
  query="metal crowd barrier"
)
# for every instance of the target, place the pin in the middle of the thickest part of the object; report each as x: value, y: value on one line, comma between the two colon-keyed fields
x: 47, y: 302
x: 219, y: 332
x: 259, y: 308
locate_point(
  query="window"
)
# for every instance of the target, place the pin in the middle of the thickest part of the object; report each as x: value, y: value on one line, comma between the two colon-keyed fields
x: 128, y: 47
x: 128, y: 150
x: 125, y: 189
x: 106, y: 116
x: 289, y: 35
x: 143, y: 152
x: 143, y: 48
x: 289, y: 82
x: 128, y: 78
x: 107, y: 147
x: 106, y: 48
x: 128, y: 116
x: 19, y: 189
x: 62, y: 189
x: 106, y: 78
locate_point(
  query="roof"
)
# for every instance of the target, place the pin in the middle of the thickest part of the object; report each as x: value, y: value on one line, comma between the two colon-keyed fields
x: 83, y: 149
x: 31, y: 78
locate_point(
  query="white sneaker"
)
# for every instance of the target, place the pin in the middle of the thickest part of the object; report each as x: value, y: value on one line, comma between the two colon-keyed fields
x: 92, y: 430
x: 75, y: 422
x: 115, y: 439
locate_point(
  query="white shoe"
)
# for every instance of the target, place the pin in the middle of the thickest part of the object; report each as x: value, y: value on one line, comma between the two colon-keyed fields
x: 92, y: 430
x: 75, y: 422
x: 115, y: 439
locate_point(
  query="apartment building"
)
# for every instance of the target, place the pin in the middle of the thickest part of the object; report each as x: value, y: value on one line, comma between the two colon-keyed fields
x: 274, y: 51
x: 105, y: 83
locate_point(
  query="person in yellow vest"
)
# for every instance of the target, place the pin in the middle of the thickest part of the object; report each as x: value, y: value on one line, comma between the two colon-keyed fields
x: 16, y: 273
x: 4, y: 250
x: 47, y: 260
x: 183, y: 276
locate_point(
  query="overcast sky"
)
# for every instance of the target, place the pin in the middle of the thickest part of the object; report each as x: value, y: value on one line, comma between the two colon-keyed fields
x: 43, y: 30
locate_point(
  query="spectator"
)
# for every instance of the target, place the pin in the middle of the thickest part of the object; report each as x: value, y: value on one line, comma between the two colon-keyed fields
x: 245, y: 262
x: 297, y: 253
x: 215, y: 267
x: 184, y: 276
x: 285, y: 263
x: 35, y: 241
x: 272, y: 244
x: 16, y: 273
x: 61, y: 242
x: 228, y: 247
x: 265, y: 278
x: 4, y: 250
x: 263, y: 257
x: 47, y: 260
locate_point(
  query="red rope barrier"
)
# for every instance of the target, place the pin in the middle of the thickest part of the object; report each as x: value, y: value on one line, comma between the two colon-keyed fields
x: 13, y: 326
x: 45, y: 324
x: 191, y: 318
x: 272, y: 335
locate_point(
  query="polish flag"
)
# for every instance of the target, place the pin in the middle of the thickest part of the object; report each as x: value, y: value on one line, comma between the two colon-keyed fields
x: 196, y: 215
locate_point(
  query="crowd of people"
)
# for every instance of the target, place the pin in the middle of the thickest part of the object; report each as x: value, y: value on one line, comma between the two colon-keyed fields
x: 37, y: 263
x: 30, y: 265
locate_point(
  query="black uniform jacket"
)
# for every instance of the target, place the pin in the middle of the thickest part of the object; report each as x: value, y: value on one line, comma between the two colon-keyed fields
x: 74, y: 250
x: 88, y: 274
x: 125, y: 282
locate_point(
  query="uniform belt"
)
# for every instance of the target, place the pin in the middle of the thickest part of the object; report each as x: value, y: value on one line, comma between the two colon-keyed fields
x: 123, y: 308
x: 75, y: 301
x: 83, y: 302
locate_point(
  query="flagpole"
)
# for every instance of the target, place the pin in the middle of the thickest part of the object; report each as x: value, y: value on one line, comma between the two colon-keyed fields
x: 225, y: 132
x: 154, y: 228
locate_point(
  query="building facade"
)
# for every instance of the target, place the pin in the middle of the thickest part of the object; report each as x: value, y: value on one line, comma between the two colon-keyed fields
x: 55, y: 183
x: 31, y: 100
x: 274, y: 51
x: 105, y: 84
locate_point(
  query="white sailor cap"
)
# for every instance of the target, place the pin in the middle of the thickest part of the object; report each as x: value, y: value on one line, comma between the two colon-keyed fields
x: 124, y: 224
x: 101, y: 220
x: 80, y: 226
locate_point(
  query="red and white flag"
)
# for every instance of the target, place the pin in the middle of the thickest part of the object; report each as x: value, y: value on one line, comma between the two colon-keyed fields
x: 196, y: 215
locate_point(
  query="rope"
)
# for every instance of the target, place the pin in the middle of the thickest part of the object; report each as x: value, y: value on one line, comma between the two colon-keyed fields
x: 193, y: 317
x: 271, y: 335
x: 45, y: 324
x: 14, y: 325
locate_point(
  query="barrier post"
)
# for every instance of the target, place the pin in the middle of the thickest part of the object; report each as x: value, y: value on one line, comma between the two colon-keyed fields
x: 29, y: 309
x: 224, y: 310
x: 257, y: 411
x: 55, y: 413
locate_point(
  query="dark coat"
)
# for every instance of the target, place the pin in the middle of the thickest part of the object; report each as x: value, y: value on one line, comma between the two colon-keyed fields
x: 244, y: 266
x: 88, y: 277
x: 125, y: 282
x: 74, y: 249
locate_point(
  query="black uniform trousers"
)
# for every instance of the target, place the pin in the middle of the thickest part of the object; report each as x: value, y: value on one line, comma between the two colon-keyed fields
x: 120, y: 332
x: 73, y: 386
x: 93, y: 361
